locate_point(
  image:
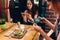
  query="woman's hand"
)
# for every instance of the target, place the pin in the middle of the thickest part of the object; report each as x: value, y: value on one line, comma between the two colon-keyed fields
x: 43, y: 19
x: 36, y: 27
x: 24, y: 16
x: 48, y: 23
x: 30, y: 18
x: 40, y: 30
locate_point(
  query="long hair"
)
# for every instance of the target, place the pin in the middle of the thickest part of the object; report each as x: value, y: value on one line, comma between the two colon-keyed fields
x: 34, y: 9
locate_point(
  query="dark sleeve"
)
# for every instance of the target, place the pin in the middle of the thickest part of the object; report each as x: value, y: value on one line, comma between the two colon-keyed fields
x: 58, y: 27
x: 57, y: 30
x: 59, y: 24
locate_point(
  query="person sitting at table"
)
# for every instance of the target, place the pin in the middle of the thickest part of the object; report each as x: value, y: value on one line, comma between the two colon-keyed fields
x: 44, y: 20
x: 30, y: 13
x: 40, y: 30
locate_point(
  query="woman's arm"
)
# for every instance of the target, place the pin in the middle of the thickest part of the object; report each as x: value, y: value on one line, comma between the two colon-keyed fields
x: 48, y: 23
x: 36, y: 15
x: 40, y: 30
x: 24, y: 15
x: 58, y: 38
x: 30, y: 18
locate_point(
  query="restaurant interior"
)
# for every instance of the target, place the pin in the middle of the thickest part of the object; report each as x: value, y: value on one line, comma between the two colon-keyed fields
x: 29, y: 19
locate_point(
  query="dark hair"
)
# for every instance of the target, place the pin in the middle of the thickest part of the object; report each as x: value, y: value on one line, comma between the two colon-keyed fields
x: 34, y: 9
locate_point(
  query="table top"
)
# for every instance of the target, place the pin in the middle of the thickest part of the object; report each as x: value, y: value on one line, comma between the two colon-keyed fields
x: 28, y: 36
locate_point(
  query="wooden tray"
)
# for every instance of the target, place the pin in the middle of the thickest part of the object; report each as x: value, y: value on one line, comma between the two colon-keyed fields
x: 18, y: 37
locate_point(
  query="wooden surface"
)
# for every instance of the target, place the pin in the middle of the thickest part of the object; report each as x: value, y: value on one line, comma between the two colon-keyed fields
x: 30, y: 35
x: 8, y: 25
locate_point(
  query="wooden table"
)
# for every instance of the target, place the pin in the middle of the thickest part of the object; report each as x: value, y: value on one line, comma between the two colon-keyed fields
x: 30, y: 35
